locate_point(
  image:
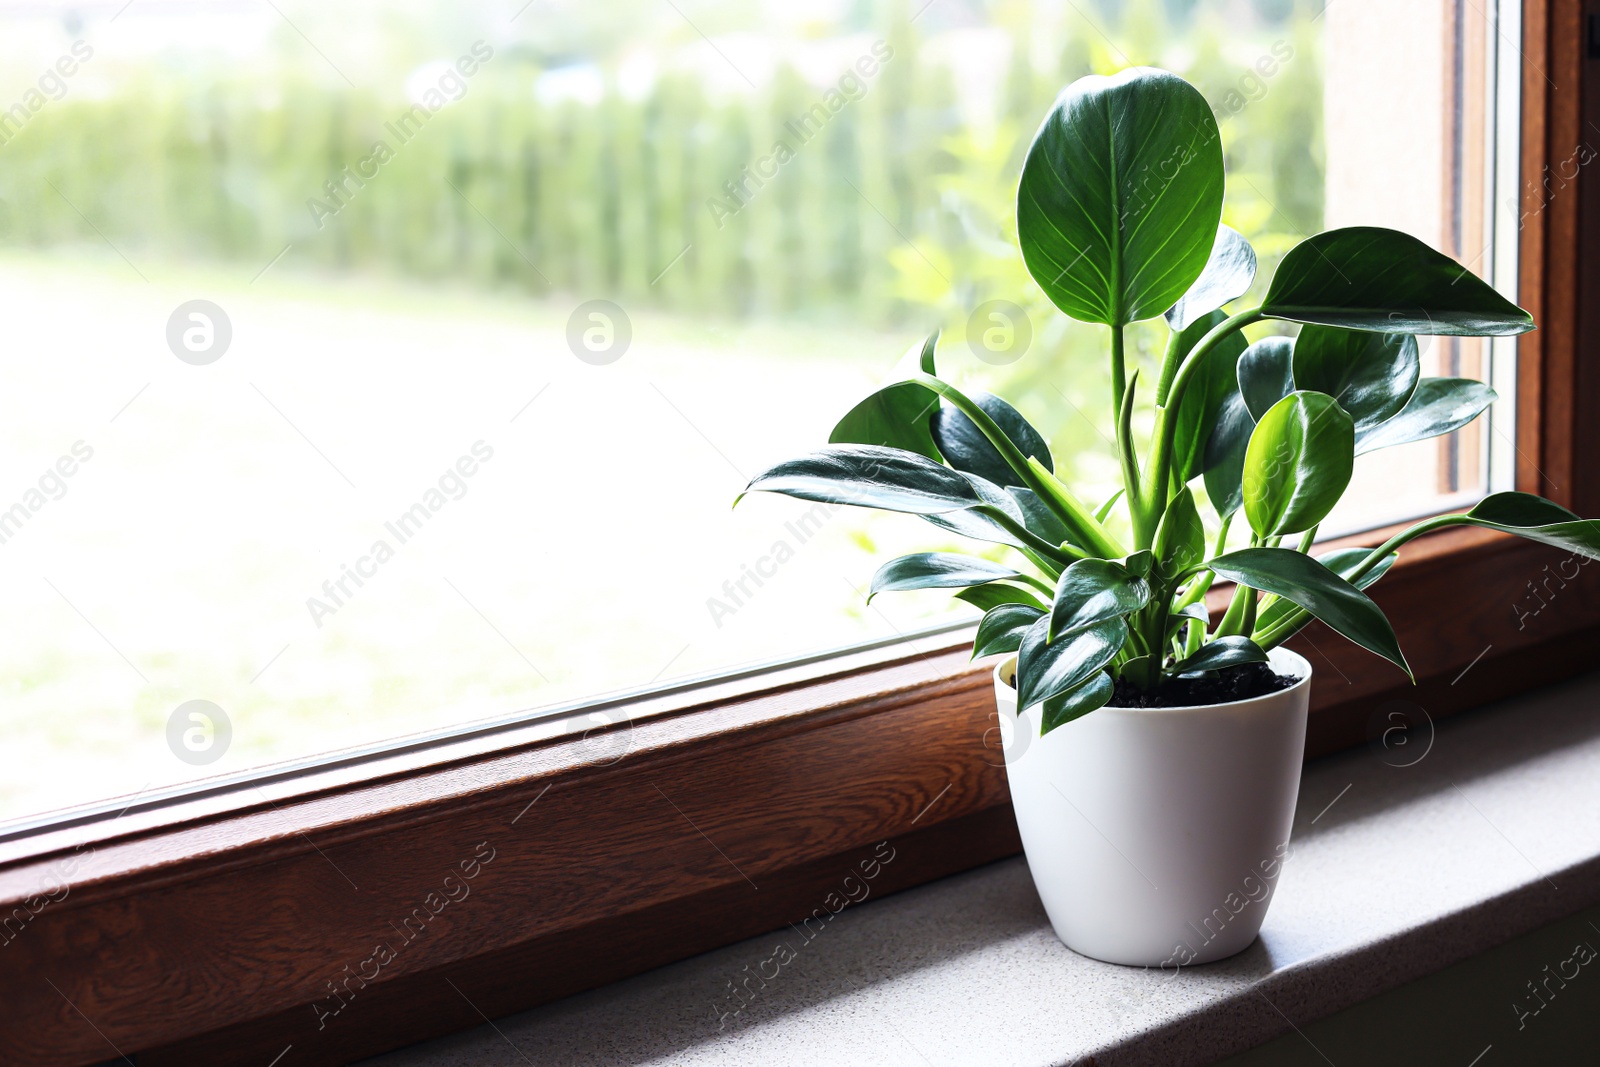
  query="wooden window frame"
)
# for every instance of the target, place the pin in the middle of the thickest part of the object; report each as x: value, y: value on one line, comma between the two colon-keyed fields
x: 510, y: 867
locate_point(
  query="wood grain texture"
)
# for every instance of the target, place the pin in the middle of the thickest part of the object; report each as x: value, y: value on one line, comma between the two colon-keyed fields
x: 727, y: 798
x: 461, y: 995
x: 1476, y: 624
x: 1586, y: 281
x: 1556, y: 387
x: 1536, y: 350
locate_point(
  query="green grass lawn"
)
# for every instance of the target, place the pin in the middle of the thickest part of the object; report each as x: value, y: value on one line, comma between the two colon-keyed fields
x: 580, y: 558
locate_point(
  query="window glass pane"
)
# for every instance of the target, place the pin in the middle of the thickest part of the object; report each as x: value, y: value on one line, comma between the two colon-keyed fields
x: 378, y: 369
x: 1423, y: 167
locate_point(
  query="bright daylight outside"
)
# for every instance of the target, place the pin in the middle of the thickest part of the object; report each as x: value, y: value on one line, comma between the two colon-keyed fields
x: 383, y: 368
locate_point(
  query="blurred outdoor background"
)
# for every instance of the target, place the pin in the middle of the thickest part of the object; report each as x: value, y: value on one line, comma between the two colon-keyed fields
x: 392, y: 306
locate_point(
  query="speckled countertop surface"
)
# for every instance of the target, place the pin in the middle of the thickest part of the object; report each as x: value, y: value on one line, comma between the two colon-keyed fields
x: 1406, y: 859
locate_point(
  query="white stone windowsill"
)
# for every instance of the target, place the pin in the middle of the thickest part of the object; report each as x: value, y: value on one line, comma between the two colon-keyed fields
x: 1493, y: 833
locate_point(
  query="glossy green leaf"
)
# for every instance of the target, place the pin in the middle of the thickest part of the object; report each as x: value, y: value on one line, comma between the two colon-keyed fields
x: 1298, y: 464
x: 988, y: 597
x: 965, y: 447
x: 1091, y: 591
x: 1214, y: 381
x: 977, y: 525
x: 1439, y: 406
x: 1087, y: 533
x: 899, y: 416
x: 1089, y: 696
x: 1341, y: 562
x: 1225, y: 452
x: 1303, y: 581
x: 935, y: 570
x: 1369, y: 278
x: 1181, y: 538
x: 1371, y: 375
x: 1228, y: 274
x: 869, y: 476
x: 1266, y: 374
x: 1524, y: 510
x: 1223, y: 652
x: 1121, y: 195
x: 1002, y: 628
x: 1050, y: 668
x: 1538, y: 519
x: 1038, y: 518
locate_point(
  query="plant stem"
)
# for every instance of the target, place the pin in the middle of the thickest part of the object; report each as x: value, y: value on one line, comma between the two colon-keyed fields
x: 1043, y: 587
x: 1198, y: 353
x: 1377, y: 555
x: 1169, y: 367
x: 1159, y: 472
x: 1296, y: 619
x: 1143, y: 523
x: 1096, y: 540
x: 1307, y: 539
x: 1199, y: 587
x: 1239, y: 609
x: 1240, y: 618
x: 1119, y: 373
x: 1063, y: 556
x: 1049, y: 566
x: 1056, y: 496
x: 1222, y: 532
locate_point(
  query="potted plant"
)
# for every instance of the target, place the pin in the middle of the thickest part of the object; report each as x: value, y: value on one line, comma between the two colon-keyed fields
x: 1155, y: 827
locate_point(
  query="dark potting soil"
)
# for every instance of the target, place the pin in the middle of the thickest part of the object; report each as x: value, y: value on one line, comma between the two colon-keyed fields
x: 1219, y: 687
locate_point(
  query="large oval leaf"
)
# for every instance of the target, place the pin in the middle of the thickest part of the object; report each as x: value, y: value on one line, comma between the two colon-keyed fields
x: 1538, y: 519
x: 1266, y: 374
x: 1369, y: 278
x: 899, y: 416
x: 1121, y: 195
x: 1298, y: 464
x: 1203, y: 401
x: 965, y: 447
x: 935, y: 570
x: 869, y: 476
x: 1091, y: 591
x: 1227, y: 276
x: 1050, y: 668
x: 1371, y: 375
x: 1303, y: 581
x: 1076, y: 703
x: 1002, y: 628
x: 1438, y: 406
x: 1342, y: 562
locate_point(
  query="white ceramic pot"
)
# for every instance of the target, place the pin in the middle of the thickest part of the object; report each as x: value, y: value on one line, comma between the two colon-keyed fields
x: 1156, y: 836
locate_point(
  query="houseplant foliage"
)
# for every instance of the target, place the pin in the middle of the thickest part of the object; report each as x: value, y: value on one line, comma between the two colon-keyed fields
x: 1119, y: 220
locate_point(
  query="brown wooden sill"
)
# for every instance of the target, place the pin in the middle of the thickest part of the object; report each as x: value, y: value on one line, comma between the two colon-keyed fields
x: 544, y: 869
